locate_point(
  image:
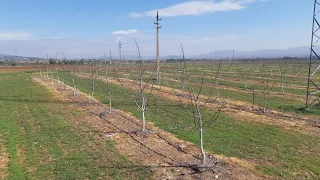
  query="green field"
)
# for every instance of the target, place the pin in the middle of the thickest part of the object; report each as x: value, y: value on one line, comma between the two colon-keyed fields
x: 43, y: 143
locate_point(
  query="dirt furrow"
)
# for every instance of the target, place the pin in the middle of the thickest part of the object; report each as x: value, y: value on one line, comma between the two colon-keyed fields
x: 4, y: 160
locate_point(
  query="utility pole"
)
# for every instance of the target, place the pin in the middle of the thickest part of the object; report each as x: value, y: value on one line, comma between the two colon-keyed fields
x: 120, y: 46
x: 233, y: 54
x: 234, y: 72
x: 158, y: 55
x: 15, y: 54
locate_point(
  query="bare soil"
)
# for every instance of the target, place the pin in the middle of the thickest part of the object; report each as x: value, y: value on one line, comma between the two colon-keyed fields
x: 155, y: 149
x: 7, y: 69
x: 4, y: 160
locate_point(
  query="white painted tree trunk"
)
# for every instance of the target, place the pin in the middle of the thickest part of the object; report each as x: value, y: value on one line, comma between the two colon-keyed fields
x: 143, y: 108
x: 110, y: 103
x: 282, y: 84
x: 203, y: 158
x: 64, y: 85
x: 246, y: 78
x: 203, y: 154
x: 217, y: 88
x: 58, y: 78
x: 253, y: 98
x: 47, y: 72
x: 92, y: 92
x: 74, y: 87
x: 265, y: 101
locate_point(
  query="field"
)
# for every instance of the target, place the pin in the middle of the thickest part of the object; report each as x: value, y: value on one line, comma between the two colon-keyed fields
x: 56, y: 121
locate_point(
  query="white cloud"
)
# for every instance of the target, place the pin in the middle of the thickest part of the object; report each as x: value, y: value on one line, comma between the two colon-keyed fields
x: 14, y: 35
x: 124, y: 32
x: 195, y: 8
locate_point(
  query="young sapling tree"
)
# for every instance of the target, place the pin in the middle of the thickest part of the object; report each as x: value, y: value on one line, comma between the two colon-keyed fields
x: 196, y: 107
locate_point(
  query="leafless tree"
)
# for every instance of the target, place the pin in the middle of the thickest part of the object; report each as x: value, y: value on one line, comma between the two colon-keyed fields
x: 93, y: 76
x: 72, y: 74
x: 246, y: 74
x: 40, y: 73
x: 47, y: 63
x: 58, y: 78
x: 253, y: 98
x: 184, y: 68
x: 142, y: 98
x: 282, y: 72
x: 196, y: 107
x: 267, y: 88
x: 110, y: 89
x: 218, y: 78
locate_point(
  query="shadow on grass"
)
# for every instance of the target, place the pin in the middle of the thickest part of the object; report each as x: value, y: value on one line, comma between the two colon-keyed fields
x: 26, y: 100
x: 195, y: 169
x: 314, y: 110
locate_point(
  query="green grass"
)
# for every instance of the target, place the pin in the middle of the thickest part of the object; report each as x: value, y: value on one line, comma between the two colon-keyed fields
x: 273, y: 102
x: 43, y: 143
x: 276, y: 151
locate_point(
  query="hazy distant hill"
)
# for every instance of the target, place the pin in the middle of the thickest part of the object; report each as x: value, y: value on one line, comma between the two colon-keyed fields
x: 4, y: 57
x: 303, y: 51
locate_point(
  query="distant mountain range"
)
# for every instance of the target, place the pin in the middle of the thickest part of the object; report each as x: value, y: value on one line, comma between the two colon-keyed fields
x: 301, y: 52
x: 4, y: 57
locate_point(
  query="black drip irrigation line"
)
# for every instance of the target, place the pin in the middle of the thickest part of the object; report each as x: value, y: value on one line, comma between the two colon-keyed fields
x: 139, y: 142
x: 168, y: 142
x: 195, y: 168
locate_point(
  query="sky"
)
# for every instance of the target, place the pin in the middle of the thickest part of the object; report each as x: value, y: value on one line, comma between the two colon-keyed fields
x: 90, y: 28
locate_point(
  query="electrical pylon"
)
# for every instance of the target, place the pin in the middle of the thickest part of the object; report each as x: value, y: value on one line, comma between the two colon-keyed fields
x: 313, y: 90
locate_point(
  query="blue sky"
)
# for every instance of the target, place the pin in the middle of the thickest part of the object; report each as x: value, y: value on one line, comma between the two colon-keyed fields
x: 84, y: 28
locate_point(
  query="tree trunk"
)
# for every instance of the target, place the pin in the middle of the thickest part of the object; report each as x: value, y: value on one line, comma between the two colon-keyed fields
x: 92, y: 92
x: 58, y: 78
x: 143, y: 115
x: 47, y: 72
x: 282, y: 84
x: 217, y: 88
x: 110, y: 104
x: 253, y: 96
x: 245, y: 81
x: 203, y: 158
x: 265, y: 101
x: 64, y: 85
x: 74, y: 87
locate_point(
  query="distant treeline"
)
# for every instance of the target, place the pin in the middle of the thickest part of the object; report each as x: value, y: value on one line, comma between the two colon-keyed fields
x: 104, y: 62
